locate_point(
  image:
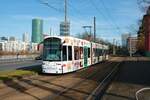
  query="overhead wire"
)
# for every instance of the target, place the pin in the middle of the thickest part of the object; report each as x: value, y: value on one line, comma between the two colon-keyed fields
x: 50, y: 6
x: 70, y: 4
x: 78, y: 11
x: 100, y: 12
x: 107, y: 15
x: 110, y: 16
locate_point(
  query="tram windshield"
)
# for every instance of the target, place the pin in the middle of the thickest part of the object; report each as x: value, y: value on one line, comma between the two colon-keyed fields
x: 52, y: 49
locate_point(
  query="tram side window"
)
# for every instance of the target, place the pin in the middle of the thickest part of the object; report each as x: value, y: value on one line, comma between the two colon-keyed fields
x: 100, y: 52
x: 104, y: 52
x: 81, y: 52
x: 76, y: 53
x: 88, y: 52
x: 64, y: 53
x: 69, y: 52
x: 94, y: 52
x: 97, y: 52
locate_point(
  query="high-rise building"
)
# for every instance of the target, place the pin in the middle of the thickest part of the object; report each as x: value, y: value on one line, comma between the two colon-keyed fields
x: 64, y: 28
x: 37, y: 30
x: 25, y: 37
x: 124, y: 39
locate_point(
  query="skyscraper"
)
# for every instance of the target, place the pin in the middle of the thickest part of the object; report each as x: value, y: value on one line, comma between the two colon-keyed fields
x: 37, y: 30
x: 25, y: 37
x: 64, y: 28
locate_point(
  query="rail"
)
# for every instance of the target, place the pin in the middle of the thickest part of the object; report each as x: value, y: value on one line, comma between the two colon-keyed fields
x: 98, y: 92
x: 53, y: 97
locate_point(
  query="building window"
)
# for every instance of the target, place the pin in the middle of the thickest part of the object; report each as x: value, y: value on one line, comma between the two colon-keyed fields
x: 94, y: 52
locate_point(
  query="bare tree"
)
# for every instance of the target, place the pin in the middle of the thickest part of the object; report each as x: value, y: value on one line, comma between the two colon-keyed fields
x: 143, y: 4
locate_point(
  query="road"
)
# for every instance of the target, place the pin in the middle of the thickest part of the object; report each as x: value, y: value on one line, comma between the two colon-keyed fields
x: 19, y: 64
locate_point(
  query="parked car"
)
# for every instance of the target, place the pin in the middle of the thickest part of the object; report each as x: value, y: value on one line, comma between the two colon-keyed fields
x: 38, y: 57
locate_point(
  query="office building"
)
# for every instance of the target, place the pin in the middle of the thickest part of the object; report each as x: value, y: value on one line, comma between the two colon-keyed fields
x: 64, y: 28
x: 37, y: 30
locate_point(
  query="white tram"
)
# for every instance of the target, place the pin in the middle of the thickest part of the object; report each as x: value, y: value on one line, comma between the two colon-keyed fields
x: 63, y: 54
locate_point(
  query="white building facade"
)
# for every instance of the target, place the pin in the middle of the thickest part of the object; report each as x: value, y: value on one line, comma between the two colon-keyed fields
x: 25, y: 37
x: 17, y: 46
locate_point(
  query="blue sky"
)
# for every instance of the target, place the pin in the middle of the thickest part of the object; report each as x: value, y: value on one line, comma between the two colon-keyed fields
x: 114, y: 17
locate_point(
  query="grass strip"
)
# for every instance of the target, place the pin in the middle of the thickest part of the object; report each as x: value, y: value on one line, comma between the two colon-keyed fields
x: 9, y: 75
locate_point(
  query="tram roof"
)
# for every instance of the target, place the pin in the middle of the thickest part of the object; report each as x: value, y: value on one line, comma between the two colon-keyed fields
x: 65, y: 38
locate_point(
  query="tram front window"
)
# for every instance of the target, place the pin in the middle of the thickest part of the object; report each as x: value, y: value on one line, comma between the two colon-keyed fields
x: 52, y: 51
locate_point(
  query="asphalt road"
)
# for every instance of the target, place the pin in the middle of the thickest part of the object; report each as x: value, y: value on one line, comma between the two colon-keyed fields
x: 18, y: 65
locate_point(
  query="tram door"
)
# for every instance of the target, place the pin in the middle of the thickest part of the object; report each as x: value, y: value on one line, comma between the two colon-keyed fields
x: 85, y: 56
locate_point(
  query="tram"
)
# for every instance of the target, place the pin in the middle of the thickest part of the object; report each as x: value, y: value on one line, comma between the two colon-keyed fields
x: 63, y: 54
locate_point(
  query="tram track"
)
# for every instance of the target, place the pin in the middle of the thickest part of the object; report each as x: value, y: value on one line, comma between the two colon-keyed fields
x: 49, y: 75
x: 12, y: 83
x: 35, y: 82
x: 98, y: 92
x: 27, y: 84
x: 65, y: 90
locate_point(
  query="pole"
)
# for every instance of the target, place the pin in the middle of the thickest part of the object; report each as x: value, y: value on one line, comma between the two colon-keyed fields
x: 50, y: 31
x: 130, y: 47
x: 90, y: 33
x: 65, y: 11
x: 94, y: 28
x: 114, y: 51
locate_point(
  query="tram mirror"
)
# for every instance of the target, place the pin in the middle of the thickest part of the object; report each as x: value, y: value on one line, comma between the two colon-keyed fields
x: 63, y: 42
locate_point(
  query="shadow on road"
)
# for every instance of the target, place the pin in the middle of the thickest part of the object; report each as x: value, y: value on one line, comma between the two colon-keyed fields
x: 36, y: 69
x: 135, y: 72
x: 132, y: 76
x: 18, y: 87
